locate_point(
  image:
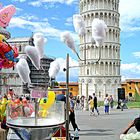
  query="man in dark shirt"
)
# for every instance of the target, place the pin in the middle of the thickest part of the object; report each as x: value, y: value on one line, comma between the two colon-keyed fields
x: 61, y: 97
x: 72, y: 114
x: 95, y: 103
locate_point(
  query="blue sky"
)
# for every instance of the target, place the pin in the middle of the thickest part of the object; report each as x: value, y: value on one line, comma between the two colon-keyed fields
x: 51, y: 17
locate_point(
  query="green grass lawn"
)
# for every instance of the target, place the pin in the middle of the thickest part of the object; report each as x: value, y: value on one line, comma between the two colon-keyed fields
x: 129, y: 104
x: 133, y: 104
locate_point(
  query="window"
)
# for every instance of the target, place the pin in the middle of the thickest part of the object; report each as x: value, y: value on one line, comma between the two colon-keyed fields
x: 87, y: 71
x: 99, y: 94
x: 130, y: 94
x: 71, y: 89
x: 20, y: 48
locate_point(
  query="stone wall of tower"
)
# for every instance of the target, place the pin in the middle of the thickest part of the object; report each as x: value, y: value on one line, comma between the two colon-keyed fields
x: 102, y: 77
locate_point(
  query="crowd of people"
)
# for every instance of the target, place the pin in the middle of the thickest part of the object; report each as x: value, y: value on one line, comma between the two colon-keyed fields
x: 93, y: 103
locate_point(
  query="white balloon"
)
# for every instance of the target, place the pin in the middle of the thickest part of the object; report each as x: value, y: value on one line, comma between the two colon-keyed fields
x: 54, y: 69
x: 79, y: 24
x: 68, y: 40
x: 33, y: 54
x: 99, y: 29
x: 39, y: 42
x: 26, y: 111
x: 23, y: 70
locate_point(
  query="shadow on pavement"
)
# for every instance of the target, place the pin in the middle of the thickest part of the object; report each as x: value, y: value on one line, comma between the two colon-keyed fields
x: 99, y: 130
x: 96, y: 132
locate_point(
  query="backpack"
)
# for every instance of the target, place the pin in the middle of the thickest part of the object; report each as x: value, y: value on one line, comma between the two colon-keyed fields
x: 106, y: 102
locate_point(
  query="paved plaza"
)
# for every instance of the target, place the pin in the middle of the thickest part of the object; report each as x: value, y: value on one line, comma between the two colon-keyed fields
x: 104, y: 127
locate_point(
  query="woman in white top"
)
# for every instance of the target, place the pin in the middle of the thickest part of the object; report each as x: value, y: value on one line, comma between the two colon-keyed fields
x: 106, y: 104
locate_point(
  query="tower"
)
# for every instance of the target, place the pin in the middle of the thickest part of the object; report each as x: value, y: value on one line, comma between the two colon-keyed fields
x: 102, y: 77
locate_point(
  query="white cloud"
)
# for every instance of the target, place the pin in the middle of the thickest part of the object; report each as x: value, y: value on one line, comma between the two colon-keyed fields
x: 32, y: 23
x: 55, y: 18
x: 19, y: 0
x: 136, y: 54
x: 60, y: 1
x: 52, y: 2
x: 129, y: 71
x: 35, y: 3
x: 73, y: 72
x: 130, y: 15
x: 69, y: 21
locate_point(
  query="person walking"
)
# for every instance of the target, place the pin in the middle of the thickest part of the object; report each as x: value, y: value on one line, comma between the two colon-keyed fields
x: 95, y: 104
x: 72, y: 114
x: 111, y: 101
x: 90, y: 104
x: 106, y: 104
x: 82, y: 102
x: 78, y: 103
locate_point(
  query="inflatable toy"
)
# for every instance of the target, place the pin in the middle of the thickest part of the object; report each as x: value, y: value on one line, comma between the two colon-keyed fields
x: 3, y: 108
x: 46, y: 103
x: 6, y: 14
x: 8, y: 55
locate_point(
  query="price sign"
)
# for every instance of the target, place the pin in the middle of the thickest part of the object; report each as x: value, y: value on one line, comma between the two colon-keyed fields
x: 36, y: 93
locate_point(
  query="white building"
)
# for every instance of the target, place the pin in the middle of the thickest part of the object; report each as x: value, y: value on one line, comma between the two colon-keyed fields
x: 102, y: 77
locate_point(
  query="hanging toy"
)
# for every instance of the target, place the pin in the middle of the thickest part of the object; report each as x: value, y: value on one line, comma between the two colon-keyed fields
x: 8, y: 54
x: 3, y: 108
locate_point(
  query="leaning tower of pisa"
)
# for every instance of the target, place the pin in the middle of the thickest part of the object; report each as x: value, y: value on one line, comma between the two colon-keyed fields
x: 102, y: 77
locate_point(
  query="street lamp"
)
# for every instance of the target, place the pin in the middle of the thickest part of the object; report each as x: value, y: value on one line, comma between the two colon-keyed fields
x: 99, y: 30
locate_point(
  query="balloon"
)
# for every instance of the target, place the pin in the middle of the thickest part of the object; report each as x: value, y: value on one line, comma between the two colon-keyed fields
x: 51, y: 97
x: 4, y: 32
x: 54, y: 69
x: 79, y: 24
x: 44, y: 106
x: 39, y: 42
x: 2, y: 37
x: 32, y: 53
x: 1, y: 61
x: 99, y: 29
x: 17, y: 101
x: 23, y: 70
x: 46, y: 103
x: 3, y: 108
x: 26, y: 111
x: 24, y: 101
x: 8, y: 55
x: 6, y: 14
x: 68, y: 40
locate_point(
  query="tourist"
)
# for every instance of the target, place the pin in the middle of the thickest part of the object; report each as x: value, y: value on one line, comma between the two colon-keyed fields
x: 106, y: 104
x: 82, y: 102
x: 111, y: 101
x: 78, y: 103
x: 95, y: 103
x: 91, y: 105
x: 61, y: 97
x: 132, y: 136
x: 72, y: 114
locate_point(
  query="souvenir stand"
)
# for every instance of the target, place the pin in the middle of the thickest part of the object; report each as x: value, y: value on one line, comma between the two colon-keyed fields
x: 36, y: 126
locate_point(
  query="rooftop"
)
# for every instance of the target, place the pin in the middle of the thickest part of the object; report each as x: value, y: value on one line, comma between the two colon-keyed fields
x: 70, y: 83
x: 19, y: 39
